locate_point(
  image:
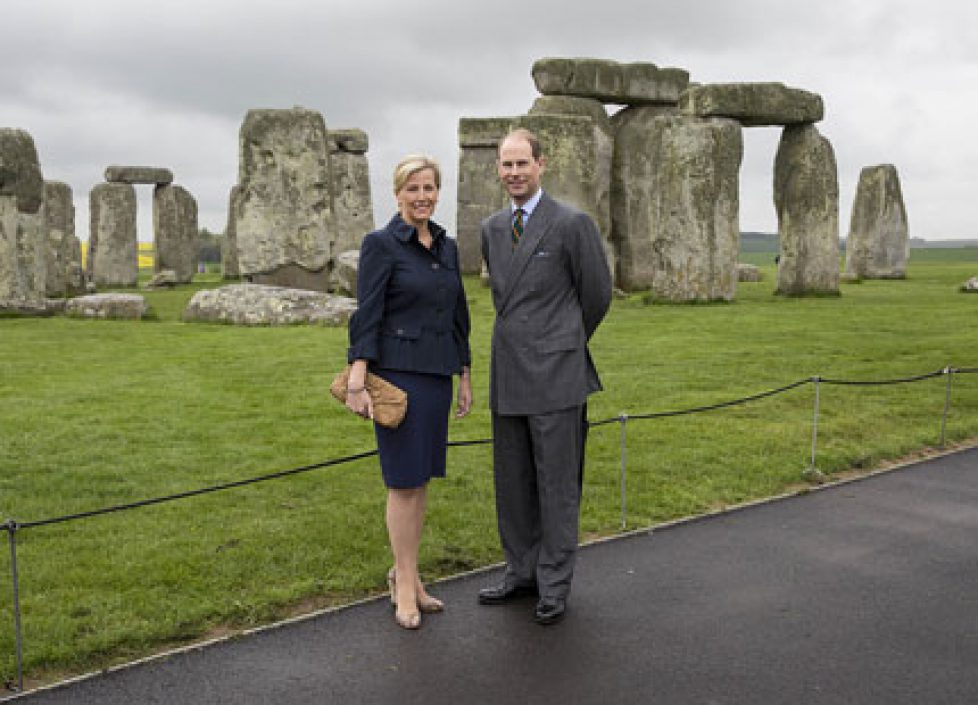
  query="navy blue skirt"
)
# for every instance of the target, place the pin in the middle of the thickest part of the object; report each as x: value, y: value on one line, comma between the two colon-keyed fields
x: 414, y: 452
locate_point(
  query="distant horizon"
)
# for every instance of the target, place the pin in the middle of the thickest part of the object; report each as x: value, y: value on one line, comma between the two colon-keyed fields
x: 967, y: 241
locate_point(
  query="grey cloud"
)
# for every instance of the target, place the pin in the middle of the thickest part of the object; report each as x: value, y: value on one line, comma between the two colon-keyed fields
x: 121, y: 80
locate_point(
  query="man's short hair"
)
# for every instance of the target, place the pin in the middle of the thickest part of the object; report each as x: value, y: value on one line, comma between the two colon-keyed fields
x: 536, y: 149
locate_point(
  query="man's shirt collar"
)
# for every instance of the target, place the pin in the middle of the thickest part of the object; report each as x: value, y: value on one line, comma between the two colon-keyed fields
x: 529, y: 206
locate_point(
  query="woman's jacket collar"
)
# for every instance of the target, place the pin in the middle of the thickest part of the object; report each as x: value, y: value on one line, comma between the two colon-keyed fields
x: 404, y: 232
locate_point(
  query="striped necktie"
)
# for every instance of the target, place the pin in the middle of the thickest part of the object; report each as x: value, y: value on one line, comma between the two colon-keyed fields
x: 517, y: 226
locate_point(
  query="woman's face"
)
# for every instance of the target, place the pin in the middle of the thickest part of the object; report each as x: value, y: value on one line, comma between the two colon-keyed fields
x: 417, y: 198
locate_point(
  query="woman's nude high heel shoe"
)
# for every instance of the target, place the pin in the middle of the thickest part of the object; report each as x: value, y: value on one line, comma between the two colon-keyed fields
x: 426, y: 603
x: 406, y: 620
x: 430, y: 605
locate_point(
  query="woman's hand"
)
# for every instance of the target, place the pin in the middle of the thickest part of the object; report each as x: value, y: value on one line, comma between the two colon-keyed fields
x: 464, y: 395
x: 357, y: 399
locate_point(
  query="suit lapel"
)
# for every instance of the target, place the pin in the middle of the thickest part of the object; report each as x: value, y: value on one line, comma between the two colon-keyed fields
x: 536, y: 230
x: 499, y: 251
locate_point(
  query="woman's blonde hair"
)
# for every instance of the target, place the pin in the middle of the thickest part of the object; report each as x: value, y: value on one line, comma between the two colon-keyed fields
x: 412, y: 164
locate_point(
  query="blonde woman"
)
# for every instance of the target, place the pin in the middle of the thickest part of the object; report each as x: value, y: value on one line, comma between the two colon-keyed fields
x: 411, y: 328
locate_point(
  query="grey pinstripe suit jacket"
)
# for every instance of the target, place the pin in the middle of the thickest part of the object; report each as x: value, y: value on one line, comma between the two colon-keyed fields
x: 550, y: 294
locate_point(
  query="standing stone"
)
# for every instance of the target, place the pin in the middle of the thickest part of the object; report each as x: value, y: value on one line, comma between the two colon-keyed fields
x: 638, y: 113
x: 63, y: 252
x: 284, y: 219
x: 578, y: 166
x: 113, y: 257
x: 479, y: 193
x: 22, y: 260
x: 806, y: 196
x: 22, y: 239
x: 229, y: 243
x: 878, y: 245
x: 692, y: 199
x: 20, y: 170
x: 175, y: 232
x: 573, y: 105
x: 578, y: 171
x: 351, y: 190
x: 609, y: 81
x: 633, y: 174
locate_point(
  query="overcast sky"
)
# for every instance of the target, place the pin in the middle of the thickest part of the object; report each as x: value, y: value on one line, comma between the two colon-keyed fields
x: 100, y: 82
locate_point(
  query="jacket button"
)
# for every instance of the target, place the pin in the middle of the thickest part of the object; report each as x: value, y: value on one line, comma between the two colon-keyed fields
x: 434, y: 265
x: 400, y: 331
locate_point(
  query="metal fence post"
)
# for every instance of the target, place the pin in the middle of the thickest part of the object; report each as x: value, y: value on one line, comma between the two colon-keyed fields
x: 949, y: 373
x: 623, y: 420
x: 11, y: 527
x: 812, y: 472
x: 818, y: 387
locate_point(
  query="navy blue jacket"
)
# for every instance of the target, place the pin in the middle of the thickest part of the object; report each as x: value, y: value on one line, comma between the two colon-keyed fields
x: 412, y: 314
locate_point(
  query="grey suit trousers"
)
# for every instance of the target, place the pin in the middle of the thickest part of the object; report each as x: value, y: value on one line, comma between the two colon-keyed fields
x: 538, y: 461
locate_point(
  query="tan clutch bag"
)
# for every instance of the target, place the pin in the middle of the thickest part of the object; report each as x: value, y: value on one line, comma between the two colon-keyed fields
x: 390, y: 401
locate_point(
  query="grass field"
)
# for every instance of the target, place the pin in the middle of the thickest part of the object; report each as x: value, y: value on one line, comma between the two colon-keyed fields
x: 95, y: 413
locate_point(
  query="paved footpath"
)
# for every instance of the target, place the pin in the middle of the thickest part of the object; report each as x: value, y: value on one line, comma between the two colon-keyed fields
x: 861, y: 593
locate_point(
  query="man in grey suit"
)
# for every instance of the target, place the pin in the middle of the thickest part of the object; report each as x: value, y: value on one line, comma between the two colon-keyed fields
x: 551, y: 288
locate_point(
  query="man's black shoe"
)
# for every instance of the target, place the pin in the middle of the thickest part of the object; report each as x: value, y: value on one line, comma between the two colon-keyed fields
x: 550, y: 610
x: 504, y: 592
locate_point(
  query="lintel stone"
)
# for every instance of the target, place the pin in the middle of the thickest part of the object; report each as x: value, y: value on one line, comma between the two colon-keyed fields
x: 138, y: 175
x: 753, y: 104
x: 609, y: 81
x: 483, y: 132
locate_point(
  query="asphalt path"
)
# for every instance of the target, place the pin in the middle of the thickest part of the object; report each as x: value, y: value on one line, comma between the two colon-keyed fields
x: 863, y: 593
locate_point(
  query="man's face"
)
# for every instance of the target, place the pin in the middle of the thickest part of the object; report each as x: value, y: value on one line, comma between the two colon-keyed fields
x: 518, y: 170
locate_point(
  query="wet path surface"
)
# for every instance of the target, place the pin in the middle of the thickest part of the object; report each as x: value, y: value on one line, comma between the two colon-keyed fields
x: 861, y: 593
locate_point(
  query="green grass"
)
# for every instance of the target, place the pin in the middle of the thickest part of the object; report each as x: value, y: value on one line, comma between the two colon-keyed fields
x: 95, y: 413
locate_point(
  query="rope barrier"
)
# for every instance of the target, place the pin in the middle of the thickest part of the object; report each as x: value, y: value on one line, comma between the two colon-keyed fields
x: 12, y: 527
x: 482, y: 441
x: 699, y: 409
x: 194, y: 493
x: 883, y: 382
x: 217, y: 488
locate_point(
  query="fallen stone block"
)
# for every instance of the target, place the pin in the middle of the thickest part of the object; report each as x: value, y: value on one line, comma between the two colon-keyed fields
x: 748, y: 272
x: 345, y: 274
x: 164, y: 279
x: 258, y: 305
x: 116, y: 306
